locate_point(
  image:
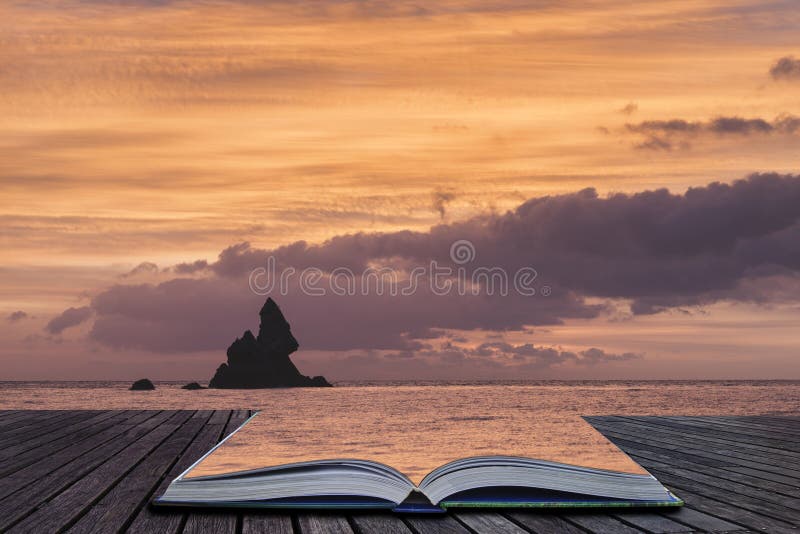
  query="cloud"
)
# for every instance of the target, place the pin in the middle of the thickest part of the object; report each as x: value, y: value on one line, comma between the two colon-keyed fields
x: 190, y: 268
x: 16, y: 316
x: 531, y: 355
x: 69, y: 318
x: 676, y: 133
x: 785, y: 68
x: 653, y: 250
x: 441, y: 199
x: 146, y: 267
x: 629, y: 109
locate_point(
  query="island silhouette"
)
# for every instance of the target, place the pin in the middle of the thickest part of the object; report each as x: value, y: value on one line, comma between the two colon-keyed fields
x: 263, y: 361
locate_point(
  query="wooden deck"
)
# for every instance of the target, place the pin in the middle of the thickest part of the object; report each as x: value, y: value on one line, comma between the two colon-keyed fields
x: 95, y: 471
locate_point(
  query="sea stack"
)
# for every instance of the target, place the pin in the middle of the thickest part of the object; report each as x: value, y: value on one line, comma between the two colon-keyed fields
x: 263, y: 361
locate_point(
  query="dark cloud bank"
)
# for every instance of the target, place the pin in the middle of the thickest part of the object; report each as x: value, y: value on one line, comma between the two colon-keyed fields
x: 653, y: 250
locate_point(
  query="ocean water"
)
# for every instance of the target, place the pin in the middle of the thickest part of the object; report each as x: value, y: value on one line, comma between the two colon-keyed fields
x: 416, y: 426
x: 400, y: 400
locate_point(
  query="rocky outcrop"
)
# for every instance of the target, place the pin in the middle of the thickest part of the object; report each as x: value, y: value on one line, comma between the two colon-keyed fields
x: 142, y: 384
x: 263, y: 361
x: 192, y: 386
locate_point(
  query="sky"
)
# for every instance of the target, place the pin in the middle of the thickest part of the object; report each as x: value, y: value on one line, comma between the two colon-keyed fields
x: 640, y: 159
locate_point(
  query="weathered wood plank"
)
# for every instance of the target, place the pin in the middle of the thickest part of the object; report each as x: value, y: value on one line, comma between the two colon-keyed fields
x: 761, y: 440
x: 731, y: 512
x: 728, y: 455
x: 28, y: 468
x: 742, y: 448
x: 436, y: 525
x: 729, y: 493
x: 323, y: 524
x: 671, y: 462
x: 210, y: 522
x: 267, y: 524
x: 69, y: 505
x: 202, y: 522
x: 118, y: 506
x: 32, y: 430
x: 150, y: 519
x: 24, y: 454
x: 700, y: 521
x: 489, y: 522
x: 545, y: 523
x: 703, y: 477
x: 385, y: 523
x: 601, y: 523
x: 650, y: 522
x: 27, y: 497
x: 25, y: 418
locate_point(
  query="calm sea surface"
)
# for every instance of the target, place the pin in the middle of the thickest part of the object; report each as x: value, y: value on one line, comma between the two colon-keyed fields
x: 401, y: 400
x: 416, y: 426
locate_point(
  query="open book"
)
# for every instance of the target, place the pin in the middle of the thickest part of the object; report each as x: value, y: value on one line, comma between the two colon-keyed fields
x: 562, y: 463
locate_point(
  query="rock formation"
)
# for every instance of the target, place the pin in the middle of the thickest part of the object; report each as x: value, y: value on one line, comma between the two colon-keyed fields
x: 142, y: 384
x: 192, y: 386
x: 263, y: 361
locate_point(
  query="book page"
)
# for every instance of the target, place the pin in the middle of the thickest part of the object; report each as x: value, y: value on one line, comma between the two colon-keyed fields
x: 414, y: 445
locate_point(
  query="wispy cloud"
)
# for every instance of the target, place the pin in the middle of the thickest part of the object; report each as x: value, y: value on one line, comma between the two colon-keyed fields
x: 677, y: 133
x: 69, y: 318
x: 16, y: 316
x: 786, y: 68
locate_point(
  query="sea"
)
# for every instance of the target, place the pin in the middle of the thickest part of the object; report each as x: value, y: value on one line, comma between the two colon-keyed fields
x: 398, y: 400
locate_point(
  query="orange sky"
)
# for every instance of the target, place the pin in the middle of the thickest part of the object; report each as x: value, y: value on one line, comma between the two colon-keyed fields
x: 166, y: 131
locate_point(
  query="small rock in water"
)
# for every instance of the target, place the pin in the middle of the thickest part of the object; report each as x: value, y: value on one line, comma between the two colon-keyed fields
x: 142, y: 385
x: 192, y: 386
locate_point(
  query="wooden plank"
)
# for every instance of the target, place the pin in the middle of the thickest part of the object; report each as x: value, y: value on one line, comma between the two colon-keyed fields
x: 217, y: 522
x: 117, y: 507
x: 709, y: 477
x: 732, y: 513
x: 210, y: 522
x: 743, y: 449
x: 729, y: 493
x: 266, y: 524
x: 762, y: 440
x: 782, y: 425
x: 544, y: 523
x: 24, y: 418
x: 323, y: 524
x: 699, y: 458
x: 31, y: 442
x: 489, y: 522
x: 436, y: 525
x: 596, y: 522
x: 19, y: 504
x: 65, y: 508
x: 32, y: 430
x: 700, y: 521
x: 32, y: 467
x: 651, y: 522
x: 694, y: 448
x: 385, y: 523
x: 32, y: 426
x: 27, y: 453
x: 151, y: 519
x: 668, y: 462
